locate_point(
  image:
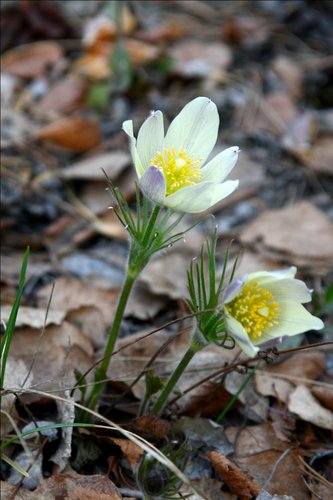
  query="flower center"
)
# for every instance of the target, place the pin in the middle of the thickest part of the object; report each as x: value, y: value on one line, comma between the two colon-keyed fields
x: 255, y: 309
x: 179, y: 169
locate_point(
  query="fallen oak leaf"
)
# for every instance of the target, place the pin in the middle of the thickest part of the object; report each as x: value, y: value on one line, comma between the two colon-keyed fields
x: 132, y: 451
x: 239, y: 482
x: 74, y: 486
x: 64, y: 96
x: 75, y: 133
x: 31, y: 60
x: 305, y: 405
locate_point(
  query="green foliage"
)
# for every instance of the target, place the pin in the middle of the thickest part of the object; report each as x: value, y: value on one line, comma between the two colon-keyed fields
x: 205, y: 291
x: 328, y: 300
x: 163, y: 65
x: 86, y: 452
x: 99, y: 96
x: 9, y: 331
x: 150, y: 230
x: 323, y: 306
x: 42, y: 428
x: 235, y: 397
x: 121, y: 68
x: 153, y: 383
x: 155, y: 480
x: 121, y: 71
x: 81, y: 383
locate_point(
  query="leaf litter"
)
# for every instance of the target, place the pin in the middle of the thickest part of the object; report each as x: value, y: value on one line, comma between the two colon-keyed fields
x: 267, y: 69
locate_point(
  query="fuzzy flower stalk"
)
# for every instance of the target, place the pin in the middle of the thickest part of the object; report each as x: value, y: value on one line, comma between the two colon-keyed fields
x: 172, y: 172
x: 209, y: 326
x: 172, y: 168
x: 255, y: 312
x: 263, y: 308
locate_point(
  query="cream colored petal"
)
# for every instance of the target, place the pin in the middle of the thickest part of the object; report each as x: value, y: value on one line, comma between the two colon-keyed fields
x: 265, y: 276
x: 150, y: 138
x: 220, y: 166
x: 194, y: 129
x: 237, y: 332
x: 289, y: 289
x: 128, y: 129
x: 293, y: 319
x: 195, y: 199
x: 223, y: 190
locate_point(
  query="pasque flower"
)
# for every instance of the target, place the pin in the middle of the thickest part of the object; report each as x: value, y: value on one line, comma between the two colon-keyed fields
x: 173, y: 168
x: 263, y: 306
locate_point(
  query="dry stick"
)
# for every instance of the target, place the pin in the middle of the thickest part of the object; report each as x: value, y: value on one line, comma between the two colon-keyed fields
x: 165, y: 325
x: 277, y: 463
x: 144, y: 369
x: 312, y: 472
x: 232, y: 366
x: 18, y: 486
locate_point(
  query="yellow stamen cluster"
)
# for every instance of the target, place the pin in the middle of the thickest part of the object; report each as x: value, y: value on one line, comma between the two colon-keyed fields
x: 179, y: 169
x: 255, y: 309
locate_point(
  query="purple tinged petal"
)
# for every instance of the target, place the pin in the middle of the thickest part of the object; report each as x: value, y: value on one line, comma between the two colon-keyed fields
x: 273, y: 342
x: 153, y: 185
x: 232, y: 290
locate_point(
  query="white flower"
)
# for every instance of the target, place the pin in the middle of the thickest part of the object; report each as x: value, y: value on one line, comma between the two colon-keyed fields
x: 263, y: 306
x: 172, y: 169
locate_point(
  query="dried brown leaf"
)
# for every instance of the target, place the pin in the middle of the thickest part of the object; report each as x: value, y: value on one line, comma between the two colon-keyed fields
x: 152, y: 425
x: 247, y: 30
x: 272, y: 114
x: 65, y: 96
x: 302, y: 402
x: 103, y: 27
x: 299, y: 367
x: 269, y: 385
x: 320, y: 157
x: 197, y: 59
x: 72, y: 294
x: 131, y: 450
x: 278, y: 472
x: 55, y: 353
x: 254, y: 439
x: 95, y: 65
x: 74, y: 486
x: 113, y: 163
x: 311, y: 245
x: 241, y: 483
x: 74, y: 133
x: 300, y: 134
x: 324, y: 395
x: 290, y: 73
x: 16, y: 373
x: 303, y: 365
x: 33, y: 316
x: 31, y: 60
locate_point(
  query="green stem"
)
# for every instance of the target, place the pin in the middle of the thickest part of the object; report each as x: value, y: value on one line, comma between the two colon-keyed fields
x: 151, y: 225
x: 139, y: 255
x: 234, y: 398
x: 162, y: 399
x: 101, y: 372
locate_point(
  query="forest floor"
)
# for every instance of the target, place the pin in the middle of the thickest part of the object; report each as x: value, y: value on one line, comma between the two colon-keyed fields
x: 72, y: 73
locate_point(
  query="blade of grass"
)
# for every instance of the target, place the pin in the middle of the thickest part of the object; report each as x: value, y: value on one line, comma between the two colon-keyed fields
x: 5, y: 345
x: 14, y: 465
x: 235, y: 396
